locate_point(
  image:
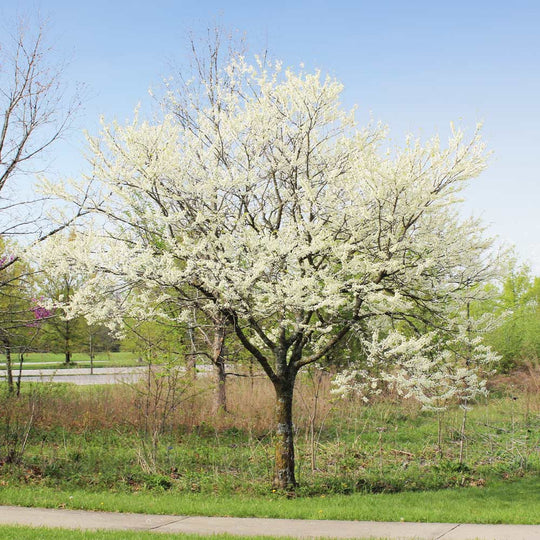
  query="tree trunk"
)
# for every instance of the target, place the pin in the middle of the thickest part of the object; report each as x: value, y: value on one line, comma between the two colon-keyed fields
x: 462, y: 435
x: 9, y: 369
x: 220, y: 396
x: 67, y: 347
x: 91, y: 351
x: 191, y: 363
x: 191, y: 366
x: 19, y: 376
x: 284, y: 472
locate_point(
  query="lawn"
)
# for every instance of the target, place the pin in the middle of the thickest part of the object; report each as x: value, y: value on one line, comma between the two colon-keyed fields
x: 501, y: 502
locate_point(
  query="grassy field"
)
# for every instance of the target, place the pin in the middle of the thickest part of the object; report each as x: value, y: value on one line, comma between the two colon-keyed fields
x: 80, y: 360
x: 126, y: 448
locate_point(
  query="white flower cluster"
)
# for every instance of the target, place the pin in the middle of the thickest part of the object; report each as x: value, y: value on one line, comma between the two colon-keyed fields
x: 434, y: 369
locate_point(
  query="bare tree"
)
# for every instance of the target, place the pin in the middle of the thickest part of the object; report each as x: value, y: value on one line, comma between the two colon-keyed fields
x: 35, y: 112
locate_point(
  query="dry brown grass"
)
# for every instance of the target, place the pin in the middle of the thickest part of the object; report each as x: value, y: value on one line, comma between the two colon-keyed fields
x: 526, y: 379
x: 250, y: 404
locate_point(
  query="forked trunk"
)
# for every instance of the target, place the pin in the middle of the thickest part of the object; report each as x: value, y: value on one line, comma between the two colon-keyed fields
x: 284, y: 477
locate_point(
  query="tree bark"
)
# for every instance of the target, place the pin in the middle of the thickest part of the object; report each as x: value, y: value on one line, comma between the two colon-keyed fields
x: 191, y: 360
x: 191, y: 366
x: 67, y: 342
x: 9, y: 369
x: 220, y: 396
x: 19, y: 376
x: 284, y: 477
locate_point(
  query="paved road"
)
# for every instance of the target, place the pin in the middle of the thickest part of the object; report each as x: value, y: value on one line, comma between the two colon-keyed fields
x: 80, y: 519
x: 106, y: 375
x: 101, y: 375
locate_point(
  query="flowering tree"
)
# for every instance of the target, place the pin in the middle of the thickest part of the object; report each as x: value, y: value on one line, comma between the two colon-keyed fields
x: 265, y: 204
x: 437, y: 368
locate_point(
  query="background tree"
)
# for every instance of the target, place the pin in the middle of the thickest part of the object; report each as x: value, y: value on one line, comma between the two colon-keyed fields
x: 62, y: 334
x: 35, y: 112
x: 201, y: 337
x: 99, y: 339
x: 517, y: 339
x: 153, y: 341
x: 210, y: 344
x: 269, y: 206
x: 21, y: 314
x: 436, y: 368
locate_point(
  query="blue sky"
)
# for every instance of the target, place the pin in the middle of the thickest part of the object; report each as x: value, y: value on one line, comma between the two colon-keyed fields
x: 414, y: 65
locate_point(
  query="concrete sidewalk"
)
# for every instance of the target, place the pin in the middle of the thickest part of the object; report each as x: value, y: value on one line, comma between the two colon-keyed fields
x: 81, y: 519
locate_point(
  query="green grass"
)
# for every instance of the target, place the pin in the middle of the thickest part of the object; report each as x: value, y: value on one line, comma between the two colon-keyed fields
x: 56, y: 360
x: 45, y: 533
x: 503, y: 502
